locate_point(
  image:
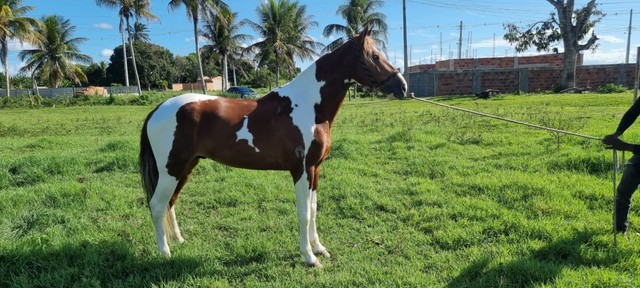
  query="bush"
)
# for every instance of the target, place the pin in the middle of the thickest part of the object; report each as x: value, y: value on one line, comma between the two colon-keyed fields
x: 611, y: 88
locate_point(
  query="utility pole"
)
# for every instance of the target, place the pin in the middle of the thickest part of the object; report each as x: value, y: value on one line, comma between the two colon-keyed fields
x: 440, y: 46
x: 629, y: 37
x: 494, y: 45
x: 460, y: 42
x: 406, y: 56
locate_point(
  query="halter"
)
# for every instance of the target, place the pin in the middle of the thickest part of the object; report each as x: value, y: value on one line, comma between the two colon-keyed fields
x: 376, y: 84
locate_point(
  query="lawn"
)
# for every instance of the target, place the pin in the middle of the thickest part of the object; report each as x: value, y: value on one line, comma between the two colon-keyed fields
x: 411, y: 195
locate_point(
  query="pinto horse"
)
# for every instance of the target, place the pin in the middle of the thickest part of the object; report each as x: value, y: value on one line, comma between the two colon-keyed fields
x: 287, y: 129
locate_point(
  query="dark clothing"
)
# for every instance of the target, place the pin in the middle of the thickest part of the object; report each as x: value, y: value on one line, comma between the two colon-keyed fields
x: 629, y: 117
x: 631, y: 175
x: 628, y: 184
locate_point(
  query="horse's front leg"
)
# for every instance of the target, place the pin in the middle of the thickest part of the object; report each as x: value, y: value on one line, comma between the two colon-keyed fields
x: 303, y: 205
x: 316, y: 246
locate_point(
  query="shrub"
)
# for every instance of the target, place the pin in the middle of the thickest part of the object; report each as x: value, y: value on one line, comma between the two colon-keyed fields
x: 611, y: 88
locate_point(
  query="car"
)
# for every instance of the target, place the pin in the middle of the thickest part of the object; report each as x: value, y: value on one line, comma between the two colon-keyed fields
x: 243, y: 92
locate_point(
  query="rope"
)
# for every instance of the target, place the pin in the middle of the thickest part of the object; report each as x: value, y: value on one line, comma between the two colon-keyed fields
x: 507, y: 119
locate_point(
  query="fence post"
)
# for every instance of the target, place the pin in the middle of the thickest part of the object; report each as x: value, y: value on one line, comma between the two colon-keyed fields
x: 637, y: 79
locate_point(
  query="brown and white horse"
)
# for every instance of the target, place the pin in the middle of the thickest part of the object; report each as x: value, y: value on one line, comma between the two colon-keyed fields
x: 287, y: 129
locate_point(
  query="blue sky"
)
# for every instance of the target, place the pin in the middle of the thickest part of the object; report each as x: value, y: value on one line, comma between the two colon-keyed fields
x: 427, y: 21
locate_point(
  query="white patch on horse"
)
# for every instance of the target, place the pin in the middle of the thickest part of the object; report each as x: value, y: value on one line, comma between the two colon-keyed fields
x: 244, y: 134
x: 162, y: 125
x: 304, y: 92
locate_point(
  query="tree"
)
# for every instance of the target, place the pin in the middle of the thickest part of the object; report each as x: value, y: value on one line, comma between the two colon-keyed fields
x: 14, y: 26
x: 140, y: 32
x: 569, y: 26
x: 282, y: 27
x: 222, y: 32
x: 128, y: 9
x: 155, y: 64
x: 358, y: 14
x: 55, y: 54
x: 195, y: 9
x: 186, y: 69
x: 97, y: 74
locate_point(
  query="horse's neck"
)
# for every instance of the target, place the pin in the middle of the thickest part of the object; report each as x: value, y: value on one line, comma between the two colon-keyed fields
x: 305, y: 89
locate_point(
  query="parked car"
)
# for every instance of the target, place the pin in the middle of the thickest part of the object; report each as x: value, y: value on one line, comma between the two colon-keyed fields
x: 243, y: 92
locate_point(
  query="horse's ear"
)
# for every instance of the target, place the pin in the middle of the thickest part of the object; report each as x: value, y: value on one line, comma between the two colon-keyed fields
x: 365, y: 33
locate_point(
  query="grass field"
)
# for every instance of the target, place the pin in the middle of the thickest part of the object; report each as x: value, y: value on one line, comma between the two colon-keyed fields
x: 412, y: 195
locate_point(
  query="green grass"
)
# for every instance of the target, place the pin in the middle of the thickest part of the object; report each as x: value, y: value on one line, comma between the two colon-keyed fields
x: 411, y: 195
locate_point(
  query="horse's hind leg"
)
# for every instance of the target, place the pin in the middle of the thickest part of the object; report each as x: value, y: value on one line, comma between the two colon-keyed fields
x: 175, y: 233
x: 158, y: 206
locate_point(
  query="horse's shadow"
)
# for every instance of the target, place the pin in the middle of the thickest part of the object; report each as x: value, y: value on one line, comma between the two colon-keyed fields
x: 87, y: 264
x: 541, y: 266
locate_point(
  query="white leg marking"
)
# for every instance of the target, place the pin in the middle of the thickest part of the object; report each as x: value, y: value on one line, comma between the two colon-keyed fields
x: 313, y: 232
x: 173, y: 222
x: 303, y: 204
x: 158, y: 205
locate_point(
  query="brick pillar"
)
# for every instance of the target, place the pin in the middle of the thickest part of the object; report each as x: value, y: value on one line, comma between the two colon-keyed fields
x: 523, y: 85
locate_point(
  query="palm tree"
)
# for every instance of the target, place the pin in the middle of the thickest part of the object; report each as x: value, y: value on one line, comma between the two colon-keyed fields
x: 221, y: 31
x: 129, y: 9
x: 140, y: 33
x: 358, y: 14
x: 195, y: 9
x: 282, y: 27
x: 56, y: 53
x: 13, y: 25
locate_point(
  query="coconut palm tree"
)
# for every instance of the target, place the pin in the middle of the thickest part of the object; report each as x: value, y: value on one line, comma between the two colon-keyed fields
x: 358, y: 14
x: 195, y: 9
x: 221, y: 31
x: 140, y: 32
x: 55, y: 53
x: 128, y: 9
x: 14, y: 26
x: 282, y: 26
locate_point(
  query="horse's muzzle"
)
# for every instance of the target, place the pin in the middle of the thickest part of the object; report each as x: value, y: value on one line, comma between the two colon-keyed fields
x: 397, y: 86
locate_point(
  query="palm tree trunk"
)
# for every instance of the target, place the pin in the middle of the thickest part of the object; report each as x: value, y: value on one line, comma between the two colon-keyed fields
x: 35, y: 84
x: 195, y: 33
x: 225, y: 73
x: 133, y: 58
x: 233, y: 66
x: 6, y: 75
x: 277, y: 70
x: 124, y: 55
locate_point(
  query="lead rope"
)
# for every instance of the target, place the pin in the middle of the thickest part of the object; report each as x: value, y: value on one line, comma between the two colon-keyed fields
x: 615, y: 152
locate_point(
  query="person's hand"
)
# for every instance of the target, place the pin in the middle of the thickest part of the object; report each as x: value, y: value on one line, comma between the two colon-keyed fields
x: 613, y: 142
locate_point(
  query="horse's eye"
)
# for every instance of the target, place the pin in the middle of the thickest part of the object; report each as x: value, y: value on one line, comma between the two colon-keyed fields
x: 375, y: 57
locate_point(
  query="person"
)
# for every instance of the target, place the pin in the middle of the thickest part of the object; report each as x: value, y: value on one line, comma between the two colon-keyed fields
x: 631, y: 173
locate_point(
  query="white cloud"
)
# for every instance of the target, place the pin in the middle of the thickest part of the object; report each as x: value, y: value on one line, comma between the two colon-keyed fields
x: 15, y: 45
x: 488, y: 43
x: 103, y: 26
x: 612, y: 56
x: 106, y: 52
x: 611, y: 39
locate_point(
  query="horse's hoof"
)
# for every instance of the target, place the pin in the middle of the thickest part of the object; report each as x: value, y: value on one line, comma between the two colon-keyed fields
x: 324, y: 253
x: 316, y: 264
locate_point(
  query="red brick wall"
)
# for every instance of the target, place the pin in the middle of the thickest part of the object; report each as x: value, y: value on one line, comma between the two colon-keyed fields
x: 527, y: 79
x: 455, y: 83
x: 547, y: 60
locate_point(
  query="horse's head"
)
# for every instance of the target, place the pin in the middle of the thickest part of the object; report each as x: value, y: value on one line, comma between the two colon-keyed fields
x: 373, y: 70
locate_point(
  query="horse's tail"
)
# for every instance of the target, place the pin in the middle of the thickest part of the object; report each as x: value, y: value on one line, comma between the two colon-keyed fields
x: 147, y: 162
